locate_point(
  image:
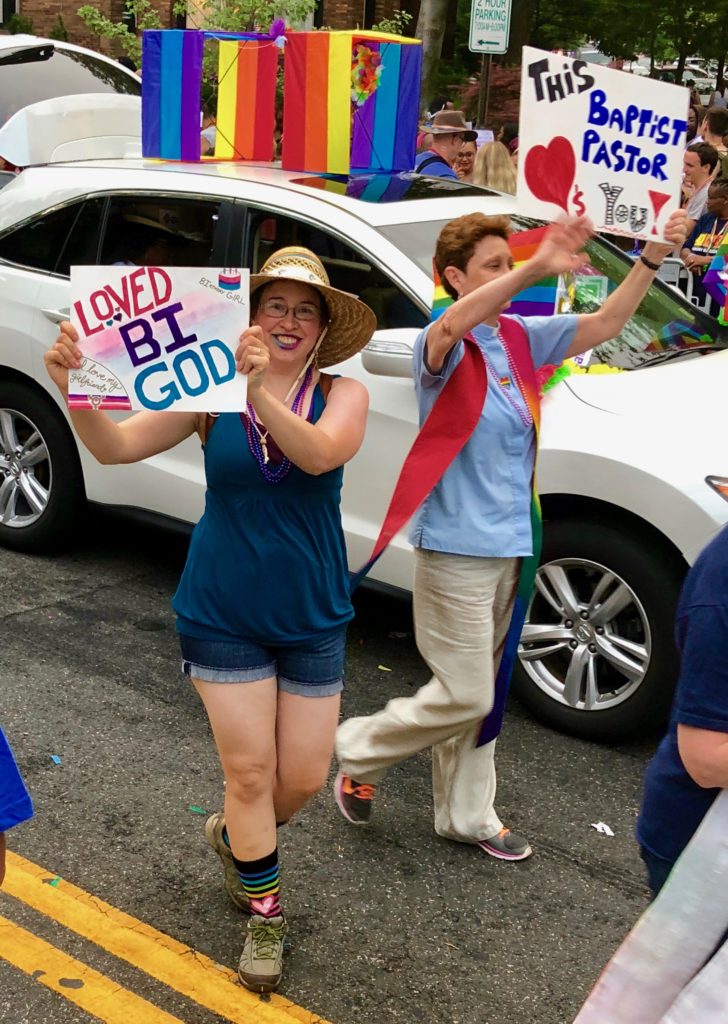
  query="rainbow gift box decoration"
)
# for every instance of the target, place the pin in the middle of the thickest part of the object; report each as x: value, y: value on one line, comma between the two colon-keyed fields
x: 350, y: 102
x: 172, y: 86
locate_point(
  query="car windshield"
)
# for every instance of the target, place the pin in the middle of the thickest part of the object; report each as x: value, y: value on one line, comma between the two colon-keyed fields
x: 664, y: 322
x: 29, y: 74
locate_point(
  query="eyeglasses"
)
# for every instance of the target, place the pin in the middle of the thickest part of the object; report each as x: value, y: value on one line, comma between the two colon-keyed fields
x: 303, y: 312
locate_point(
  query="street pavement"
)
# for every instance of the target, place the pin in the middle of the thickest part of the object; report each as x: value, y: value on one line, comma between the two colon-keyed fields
x: 388, y: 923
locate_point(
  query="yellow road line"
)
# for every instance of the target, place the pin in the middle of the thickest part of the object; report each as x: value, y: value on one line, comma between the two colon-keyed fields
x: 80, y: 984
x: 190, y: 973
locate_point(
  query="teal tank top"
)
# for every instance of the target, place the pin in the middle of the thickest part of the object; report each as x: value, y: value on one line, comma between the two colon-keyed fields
x: 267, y: 562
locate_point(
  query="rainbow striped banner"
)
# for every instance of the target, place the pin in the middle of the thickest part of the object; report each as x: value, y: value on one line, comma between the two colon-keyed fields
x: 246, y: 99
x: 323, y: 130
x: 171, y: 84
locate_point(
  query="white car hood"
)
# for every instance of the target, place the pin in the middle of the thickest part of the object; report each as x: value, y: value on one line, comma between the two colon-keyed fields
x: 698, y: 383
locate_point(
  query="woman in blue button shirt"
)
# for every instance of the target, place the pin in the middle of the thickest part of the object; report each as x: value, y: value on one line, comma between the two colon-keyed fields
x: 474, y: 528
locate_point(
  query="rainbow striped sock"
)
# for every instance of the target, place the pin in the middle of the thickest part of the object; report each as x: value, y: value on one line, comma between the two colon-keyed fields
x: 261, y: 881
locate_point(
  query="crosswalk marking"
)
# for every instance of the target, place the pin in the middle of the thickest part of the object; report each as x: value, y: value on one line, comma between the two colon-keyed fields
x: 190, y: 973
x: 80, y: 984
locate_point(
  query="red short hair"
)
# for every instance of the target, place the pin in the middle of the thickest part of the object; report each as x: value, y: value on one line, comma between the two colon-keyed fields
x: 457, y: 241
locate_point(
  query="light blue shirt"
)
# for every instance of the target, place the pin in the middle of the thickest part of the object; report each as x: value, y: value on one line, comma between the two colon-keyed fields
x: 482, y: 504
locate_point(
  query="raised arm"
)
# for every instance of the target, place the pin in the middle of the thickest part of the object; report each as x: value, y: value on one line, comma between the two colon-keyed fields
x: 594, y: 328
x: 314, y: 447
x: 138, y: 437
x: 557, y: 254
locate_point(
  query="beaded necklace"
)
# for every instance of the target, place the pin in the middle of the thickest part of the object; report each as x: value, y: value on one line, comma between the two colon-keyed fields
x: 505, y: 383
x: 258, y: 439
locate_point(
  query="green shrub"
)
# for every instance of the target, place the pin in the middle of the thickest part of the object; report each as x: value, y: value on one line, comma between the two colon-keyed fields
x: 18, y: 24
x: 59, y: 30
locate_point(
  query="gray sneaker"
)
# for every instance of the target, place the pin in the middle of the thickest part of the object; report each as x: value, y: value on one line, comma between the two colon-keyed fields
x: 261, y: 962
x: 506, y: 845
x: 233, y: 886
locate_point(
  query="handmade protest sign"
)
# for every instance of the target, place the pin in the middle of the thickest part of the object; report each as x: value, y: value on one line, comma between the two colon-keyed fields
x: 159, y: 338
x: 599, y: 142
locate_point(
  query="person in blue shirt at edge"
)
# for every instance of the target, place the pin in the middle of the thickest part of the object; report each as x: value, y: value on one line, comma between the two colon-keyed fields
x: 449, y: 131
x: 15, y: 803
x: 690, y: 767
x: 263, y: 603
x: 474, y: 528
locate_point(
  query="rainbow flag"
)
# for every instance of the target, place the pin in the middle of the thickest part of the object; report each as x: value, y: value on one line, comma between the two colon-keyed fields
x: 326, y: 129
x: 540, y: 298
x: 440, y: 300
x: 246, y: 99
x: 172, y: 62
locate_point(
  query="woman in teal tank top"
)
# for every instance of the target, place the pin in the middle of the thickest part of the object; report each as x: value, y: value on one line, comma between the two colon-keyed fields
x: 263, y: 602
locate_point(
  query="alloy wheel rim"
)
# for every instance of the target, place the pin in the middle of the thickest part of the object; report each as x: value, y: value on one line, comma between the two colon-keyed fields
x: 586, y: 642
x: 25, y: 471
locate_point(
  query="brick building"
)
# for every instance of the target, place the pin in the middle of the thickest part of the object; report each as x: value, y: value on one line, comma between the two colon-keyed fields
x: 45, y: 15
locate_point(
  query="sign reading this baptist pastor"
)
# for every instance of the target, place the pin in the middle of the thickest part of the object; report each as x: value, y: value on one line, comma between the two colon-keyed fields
x: 158, y: 338
x: 599, y: 142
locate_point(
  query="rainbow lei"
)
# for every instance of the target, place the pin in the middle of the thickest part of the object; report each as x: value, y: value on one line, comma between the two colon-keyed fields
x: 366, y: 71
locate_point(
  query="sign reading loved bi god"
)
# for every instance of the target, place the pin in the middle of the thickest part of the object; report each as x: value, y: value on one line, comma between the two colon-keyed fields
x: 599, y: 142
x: 158, y: 338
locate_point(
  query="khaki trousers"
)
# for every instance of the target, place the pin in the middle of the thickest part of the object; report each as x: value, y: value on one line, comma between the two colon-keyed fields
x: 462, y: 608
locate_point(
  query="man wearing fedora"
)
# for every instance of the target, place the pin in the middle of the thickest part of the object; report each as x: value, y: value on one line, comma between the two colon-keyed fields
x: 448, y: 131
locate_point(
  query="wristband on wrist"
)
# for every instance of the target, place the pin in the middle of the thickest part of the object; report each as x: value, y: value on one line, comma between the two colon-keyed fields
x: 649, y: 264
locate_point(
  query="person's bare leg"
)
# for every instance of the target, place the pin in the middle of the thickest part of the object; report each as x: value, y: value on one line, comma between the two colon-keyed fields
x: 305, y: 732
x: 243, y: 721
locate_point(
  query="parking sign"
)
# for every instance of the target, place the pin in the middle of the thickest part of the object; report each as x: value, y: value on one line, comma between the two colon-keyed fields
x: 490, y: 24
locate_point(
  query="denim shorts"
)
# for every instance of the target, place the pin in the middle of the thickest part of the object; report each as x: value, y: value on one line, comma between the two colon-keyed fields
x: 312, y: 668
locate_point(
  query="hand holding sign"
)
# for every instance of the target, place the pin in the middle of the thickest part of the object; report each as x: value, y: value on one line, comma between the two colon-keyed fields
x: 64, y: 356
x: 676, y: 231
x: 252, y: 357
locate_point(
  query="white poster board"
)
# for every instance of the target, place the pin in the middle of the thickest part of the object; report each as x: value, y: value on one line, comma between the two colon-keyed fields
x: 599, y: 142
x: 159, y: 338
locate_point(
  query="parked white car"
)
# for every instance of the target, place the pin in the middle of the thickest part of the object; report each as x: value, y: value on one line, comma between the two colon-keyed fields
x: 33, y: 69
x: 634, y: 464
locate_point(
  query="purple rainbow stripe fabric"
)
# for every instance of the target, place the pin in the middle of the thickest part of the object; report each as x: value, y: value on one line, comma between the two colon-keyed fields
x: 385, y: 126
x: 172, y: 63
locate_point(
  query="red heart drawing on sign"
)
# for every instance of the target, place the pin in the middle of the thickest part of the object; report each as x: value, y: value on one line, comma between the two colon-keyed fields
x: 550, y: 171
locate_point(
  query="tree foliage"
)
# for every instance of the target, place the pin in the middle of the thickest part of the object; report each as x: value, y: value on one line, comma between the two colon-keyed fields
x: 221, y: 15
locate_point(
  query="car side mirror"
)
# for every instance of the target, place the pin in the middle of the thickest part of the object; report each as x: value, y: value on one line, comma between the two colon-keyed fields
x: 389, y: 353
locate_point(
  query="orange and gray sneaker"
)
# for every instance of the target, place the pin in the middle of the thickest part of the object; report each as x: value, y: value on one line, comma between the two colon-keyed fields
x: 506, y: 845
x: 354, y: 799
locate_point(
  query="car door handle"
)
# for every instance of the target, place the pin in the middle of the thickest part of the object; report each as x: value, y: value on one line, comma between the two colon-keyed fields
x: 56, y: 315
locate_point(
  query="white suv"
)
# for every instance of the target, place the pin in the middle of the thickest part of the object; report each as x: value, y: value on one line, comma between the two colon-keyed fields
x: 34, y: 69
x: 632, y: 464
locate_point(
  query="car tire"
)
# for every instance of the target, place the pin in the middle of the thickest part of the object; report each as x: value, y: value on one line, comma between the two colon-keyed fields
x: 583, y: 559
x: 41, y: 483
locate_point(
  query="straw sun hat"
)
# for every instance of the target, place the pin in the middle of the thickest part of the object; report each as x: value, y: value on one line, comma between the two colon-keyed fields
x: 351, y: 321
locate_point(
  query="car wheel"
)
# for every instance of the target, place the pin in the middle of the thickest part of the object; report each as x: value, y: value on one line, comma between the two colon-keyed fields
x: 41, y: 483
x: 597, y: 657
